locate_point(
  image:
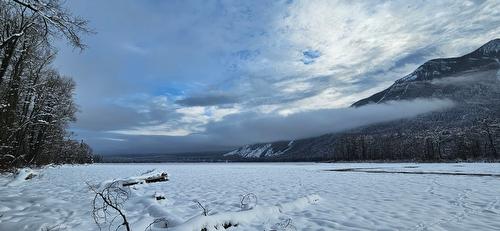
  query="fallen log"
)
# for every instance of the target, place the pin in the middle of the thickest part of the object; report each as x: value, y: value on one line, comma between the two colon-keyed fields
x: 162, y: 177
x: 159, y: 177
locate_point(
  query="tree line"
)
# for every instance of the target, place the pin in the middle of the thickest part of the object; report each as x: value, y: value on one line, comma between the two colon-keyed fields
x: 36, y: 101
x: 467, y: 132
x: 475, y: 142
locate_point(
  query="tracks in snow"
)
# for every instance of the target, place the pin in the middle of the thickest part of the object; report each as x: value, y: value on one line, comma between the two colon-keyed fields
x: 370, y: 170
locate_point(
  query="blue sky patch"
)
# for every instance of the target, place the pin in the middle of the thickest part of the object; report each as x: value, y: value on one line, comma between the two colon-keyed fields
x: 309, y: 56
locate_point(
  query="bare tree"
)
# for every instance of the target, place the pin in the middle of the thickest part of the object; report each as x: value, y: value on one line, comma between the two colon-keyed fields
x: 36, y: 102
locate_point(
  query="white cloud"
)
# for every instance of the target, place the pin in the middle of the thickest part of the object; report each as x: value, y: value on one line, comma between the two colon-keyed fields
x: 187, y: 121
x: 112, y: 139
x: 133, y: 48
x: 165, y: 129
x: 364, y: 46
x: 256, y: 52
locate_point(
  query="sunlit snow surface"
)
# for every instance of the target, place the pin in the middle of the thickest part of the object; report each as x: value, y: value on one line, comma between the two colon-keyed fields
x: 58, y: 196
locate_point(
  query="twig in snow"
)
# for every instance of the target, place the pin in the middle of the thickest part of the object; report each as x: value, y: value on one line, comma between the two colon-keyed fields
x: 202, y: 207
x: 156, y: 221
x: 107, y: 205
x: 148, y: 171
x: 248, y: 201
x: 51, y: 228
x: 285, y: 225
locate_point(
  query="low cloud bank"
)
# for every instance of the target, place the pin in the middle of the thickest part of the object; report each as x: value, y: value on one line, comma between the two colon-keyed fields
x: 247, y: 128
x: 251, y: 128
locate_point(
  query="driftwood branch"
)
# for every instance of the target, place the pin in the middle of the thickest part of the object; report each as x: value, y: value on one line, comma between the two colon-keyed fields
x: 204, y: 208
x: 107, y: 205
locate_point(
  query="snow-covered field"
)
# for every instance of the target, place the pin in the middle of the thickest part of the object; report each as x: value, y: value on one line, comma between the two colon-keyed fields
x: 298, y: 196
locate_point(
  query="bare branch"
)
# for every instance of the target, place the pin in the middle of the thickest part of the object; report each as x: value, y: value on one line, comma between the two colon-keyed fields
x: 204, y: 208
x: 107, y: 203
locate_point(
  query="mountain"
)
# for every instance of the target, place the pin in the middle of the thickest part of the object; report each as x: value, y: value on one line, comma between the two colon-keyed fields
x: 417, y: 84
x: 469, y: 130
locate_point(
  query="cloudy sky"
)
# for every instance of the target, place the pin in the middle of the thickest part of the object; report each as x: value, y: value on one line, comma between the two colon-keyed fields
x: 181, y: 76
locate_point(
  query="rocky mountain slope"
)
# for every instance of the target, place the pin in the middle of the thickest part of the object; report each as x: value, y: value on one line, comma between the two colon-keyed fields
x: 469, y: 130
x: 419, y: 83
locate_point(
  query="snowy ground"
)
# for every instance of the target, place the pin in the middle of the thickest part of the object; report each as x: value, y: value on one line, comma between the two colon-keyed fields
x: 307, y: 196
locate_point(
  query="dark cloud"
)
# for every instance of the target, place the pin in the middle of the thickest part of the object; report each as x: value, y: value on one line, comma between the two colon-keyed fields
x: 108, y: 117
x: 208, y: 100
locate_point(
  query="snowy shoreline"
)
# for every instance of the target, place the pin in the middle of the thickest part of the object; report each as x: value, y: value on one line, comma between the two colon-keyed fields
x: 59, y: 197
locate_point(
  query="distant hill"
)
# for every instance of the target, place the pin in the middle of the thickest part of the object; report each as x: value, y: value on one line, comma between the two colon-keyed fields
x: 160, y: 158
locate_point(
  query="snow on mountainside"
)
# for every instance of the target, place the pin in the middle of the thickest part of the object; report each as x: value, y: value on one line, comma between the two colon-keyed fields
x: 262, y: 150
x: 251, y: 151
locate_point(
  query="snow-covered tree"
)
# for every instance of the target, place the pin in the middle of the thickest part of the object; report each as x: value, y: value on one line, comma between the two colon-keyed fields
x: 36, y: 102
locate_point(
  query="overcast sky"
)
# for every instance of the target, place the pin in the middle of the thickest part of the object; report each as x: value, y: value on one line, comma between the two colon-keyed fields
x: 179, y: 76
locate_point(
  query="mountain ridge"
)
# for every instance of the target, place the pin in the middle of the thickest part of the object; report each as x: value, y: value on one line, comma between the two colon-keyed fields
x: 485, y: 57
x: 469, y: 130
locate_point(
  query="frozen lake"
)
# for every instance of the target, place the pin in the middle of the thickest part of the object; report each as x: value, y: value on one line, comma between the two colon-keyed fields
x: 360, y: 197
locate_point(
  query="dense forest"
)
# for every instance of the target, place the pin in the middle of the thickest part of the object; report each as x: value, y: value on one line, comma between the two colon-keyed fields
x: 36, y: 101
